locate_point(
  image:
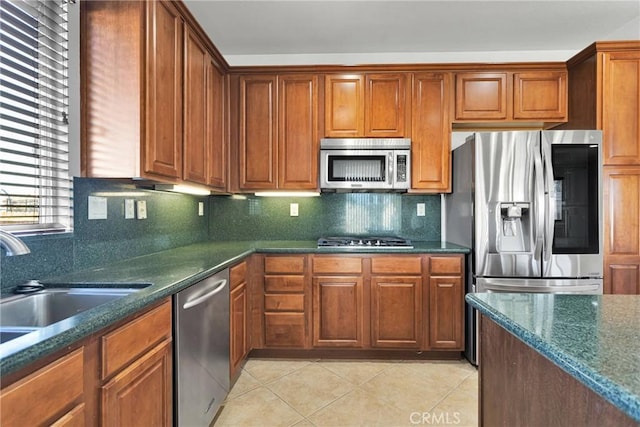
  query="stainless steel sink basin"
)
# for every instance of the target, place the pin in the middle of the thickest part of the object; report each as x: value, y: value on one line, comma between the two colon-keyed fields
x: 50, y: 306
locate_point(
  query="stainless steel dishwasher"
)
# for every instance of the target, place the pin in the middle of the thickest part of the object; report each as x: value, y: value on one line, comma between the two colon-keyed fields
x: 201, y: 350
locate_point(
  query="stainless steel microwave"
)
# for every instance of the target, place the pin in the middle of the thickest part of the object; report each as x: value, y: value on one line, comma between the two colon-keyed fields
x: 365, y: 164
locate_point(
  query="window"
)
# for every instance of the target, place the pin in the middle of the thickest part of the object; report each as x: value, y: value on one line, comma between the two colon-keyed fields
x: 35, y: 183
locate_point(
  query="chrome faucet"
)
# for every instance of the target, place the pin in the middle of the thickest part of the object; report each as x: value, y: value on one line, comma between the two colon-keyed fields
x: 12, y: 244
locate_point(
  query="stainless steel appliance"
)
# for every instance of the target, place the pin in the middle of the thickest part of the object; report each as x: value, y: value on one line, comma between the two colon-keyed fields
x: 201, y: 350
x: 388, y: 242
x: 365, y: 164
x: 529, y: 204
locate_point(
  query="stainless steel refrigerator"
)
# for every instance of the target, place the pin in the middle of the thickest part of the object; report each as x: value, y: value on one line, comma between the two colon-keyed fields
x: 529, y: 204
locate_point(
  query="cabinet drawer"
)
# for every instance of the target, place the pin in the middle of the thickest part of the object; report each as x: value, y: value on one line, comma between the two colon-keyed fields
x: 446, y: 265
x: 284, y: 302
x: 284, y: 264
x: 284, y: 284
x: 396, y: 265
x: 47, y: 393
x: 284, y: 329
x: 237, y: 274
x: 128, y: 342
x: 336, y: 264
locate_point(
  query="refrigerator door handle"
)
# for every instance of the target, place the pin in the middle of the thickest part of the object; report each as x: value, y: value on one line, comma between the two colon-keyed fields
x: 550, y: 204
x: 539, y: 206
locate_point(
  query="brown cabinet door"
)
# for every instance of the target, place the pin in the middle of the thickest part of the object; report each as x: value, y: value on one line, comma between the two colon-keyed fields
x: 298, y: 132
x: 344, y: 106
x: 620, y: 106
x: 338, y: 311
x: 445, y: 313
x: 239, y: 311
x: 431, y: 130
x: 622, y: 230
x: 258, y: 169
x: 385, y: 105
x: 195, y: 108
x: 540, y: 95
x: 141, y: 394
x: 216, y: 136
x: 481, y: 96
x: 396, y: 311
x: 163, y: 142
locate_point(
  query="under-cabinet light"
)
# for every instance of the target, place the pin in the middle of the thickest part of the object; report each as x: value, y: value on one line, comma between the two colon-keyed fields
x: 182, y: 188
x: 287, y: 194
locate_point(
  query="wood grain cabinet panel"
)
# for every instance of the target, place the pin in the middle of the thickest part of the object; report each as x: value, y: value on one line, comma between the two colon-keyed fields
x: 239, y: 344
x: 396, y: 311
x: 367, y: 105
x: 622, y: 225
x: 53, y: 394
x: 446, y: 302
x: 215, y: 127
x: 540, y: 95
x: 298, y: 142
x: 621, y: 108
x: 258, y: 103
x: 481, y: 96
x: 284, y: 330
x: 431, y: 133
x: 141, y: 393
x: 338, y: 311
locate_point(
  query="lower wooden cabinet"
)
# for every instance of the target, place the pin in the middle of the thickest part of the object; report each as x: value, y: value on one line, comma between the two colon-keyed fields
x: 121, y: 376
x: 396, y: 311
x: 239, y: 318
x: 446, y: 291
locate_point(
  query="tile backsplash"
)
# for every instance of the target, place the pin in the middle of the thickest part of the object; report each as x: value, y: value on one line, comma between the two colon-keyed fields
x: 173, y: 221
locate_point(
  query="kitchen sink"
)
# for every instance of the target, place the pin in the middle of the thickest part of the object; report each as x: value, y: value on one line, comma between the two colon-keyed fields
x: 21, y: 314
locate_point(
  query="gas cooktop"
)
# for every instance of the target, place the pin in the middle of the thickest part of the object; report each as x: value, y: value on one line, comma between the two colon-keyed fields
x: 365, y: 242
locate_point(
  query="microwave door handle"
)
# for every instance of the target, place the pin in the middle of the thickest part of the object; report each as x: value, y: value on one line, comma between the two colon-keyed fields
x: 391, y: 176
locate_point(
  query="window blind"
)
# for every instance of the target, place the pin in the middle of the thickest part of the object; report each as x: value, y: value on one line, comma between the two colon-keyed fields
x: 35, y: 184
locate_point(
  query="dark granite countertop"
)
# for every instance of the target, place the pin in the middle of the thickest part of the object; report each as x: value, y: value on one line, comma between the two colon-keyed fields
x: 594, y: 338
x: 161, y: 274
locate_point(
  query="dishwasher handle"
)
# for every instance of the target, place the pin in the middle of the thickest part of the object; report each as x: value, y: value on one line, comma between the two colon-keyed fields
x: 217, y: 287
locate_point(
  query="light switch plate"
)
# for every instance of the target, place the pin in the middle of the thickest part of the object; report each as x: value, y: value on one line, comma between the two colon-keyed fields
x: 142, y: 209
x: 200, y: 208
x: 420, y: 209
x: 129, y: 209
x: 293, y: 209
x: 97, y: 207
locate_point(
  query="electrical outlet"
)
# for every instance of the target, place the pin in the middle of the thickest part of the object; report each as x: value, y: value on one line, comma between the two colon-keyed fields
x: 142, y: 209
x: 97, y: 207
x: 200, y: 208
x: 420, y: 209
x: 129, y: 209
x: 293, y: 209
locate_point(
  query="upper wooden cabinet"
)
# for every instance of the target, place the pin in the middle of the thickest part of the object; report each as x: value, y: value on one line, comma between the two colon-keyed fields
x: 431, y: 133
x: 496, y: 96
x: 604, y: 93
x: 367, y: 105
x: 278, y: 137
x: 152, y: 107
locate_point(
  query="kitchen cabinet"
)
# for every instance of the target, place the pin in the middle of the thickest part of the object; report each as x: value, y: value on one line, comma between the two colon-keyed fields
x: 338, y: 315
x: 239, y: 318
x: 137, y: 371
x: 284, y: 301
x: 431, y: 133
x: 152, y: 108
x: 204, y: 147
x: 117, y: 376
x: 604, y: 93
x: 278, y: 132
x: 446, y: 302
x: 367, y: 105
x: 527, y: 95
x: 396, y: 302
x: 52, y: 395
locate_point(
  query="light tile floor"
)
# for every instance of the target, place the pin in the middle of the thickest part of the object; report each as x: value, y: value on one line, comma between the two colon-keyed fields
x: 336, y: 393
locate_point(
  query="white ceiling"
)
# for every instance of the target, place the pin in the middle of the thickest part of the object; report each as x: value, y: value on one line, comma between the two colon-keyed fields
x: 269, y: 32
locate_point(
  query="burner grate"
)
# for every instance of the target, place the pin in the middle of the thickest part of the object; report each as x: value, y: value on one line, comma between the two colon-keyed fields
x: 365, y: 242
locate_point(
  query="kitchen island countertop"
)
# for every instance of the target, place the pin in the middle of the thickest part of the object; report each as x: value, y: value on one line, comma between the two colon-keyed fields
x: 160, y: 275
x: 593, y: 338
